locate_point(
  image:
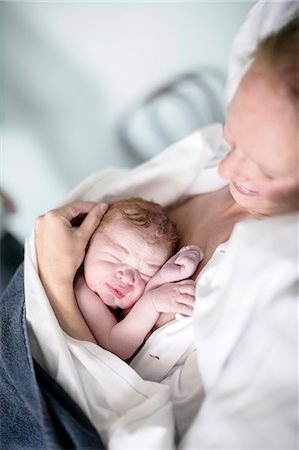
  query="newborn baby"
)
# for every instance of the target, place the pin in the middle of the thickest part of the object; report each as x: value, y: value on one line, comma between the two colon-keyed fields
x: 128, y: 279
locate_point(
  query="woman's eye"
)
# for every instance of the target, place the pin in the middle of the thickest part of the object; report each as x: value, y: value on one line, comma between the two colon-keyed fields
x: 268, y: 175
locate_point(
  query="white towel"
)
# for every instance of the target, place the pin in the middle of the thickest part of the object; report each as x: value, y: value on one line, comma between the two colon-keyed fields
x: 128, y: 411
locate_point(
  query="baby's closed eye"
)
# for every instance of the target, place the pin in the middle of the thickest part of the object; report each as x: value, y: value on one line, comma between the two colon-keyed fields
x: 112, y: 257
x: 145, y: 276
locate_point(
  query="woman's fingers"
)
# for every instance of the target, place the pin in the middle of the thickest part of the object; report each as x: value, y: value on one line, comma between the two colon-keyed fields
x: 72, y: 210
x: 60, y: 245
x: 92, y: 220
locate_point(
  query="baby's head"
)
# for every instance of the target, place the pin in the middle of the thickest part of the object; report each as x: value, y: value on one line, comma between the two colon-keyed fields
x: 144, y: 217
x: 134, y: 239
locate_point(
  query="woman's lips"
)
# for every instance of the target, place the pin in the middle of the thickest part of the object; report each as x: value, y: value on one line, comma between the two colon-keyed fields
x: 244, y: 191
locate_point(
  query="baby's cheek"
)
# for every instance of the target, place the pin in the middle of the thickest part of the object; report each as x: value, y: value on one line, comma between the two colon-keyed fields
x: 89, y: 278
x: 96, y: 276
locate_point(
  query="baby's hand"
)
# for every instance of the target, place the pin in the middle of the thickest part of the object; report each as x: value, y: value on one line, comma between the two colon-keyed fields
x: 180, y: 266
x: 174, y: 298
x: 185, y: 262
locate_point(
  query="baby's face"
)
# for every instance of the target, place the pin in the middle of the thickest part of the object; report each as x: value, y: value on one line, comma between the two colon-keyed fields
x: 120, y: 262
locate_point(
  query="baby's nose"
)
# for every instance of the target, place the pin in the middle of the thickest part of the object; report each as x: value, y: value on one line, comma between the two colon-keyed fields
x: 126, y: 275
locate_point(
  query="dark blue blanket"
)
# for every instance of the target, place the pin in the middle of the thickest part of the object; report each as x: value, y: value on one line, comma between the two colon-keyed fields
x: 36, y: 413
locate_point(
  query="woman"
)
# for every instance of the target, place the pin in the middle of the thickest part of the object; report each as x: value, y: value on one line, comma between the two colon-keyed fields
x: 262, y: 170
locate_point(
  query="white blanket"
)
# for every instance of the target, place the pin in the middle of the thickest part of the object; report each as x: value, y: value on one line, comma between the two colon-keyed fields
x: 128, y: 411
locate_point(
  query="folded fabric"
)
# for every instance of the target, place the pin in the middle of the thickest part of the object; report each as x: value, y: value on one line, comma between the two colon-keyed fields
x: 35, y: 411
x: 126, y: 410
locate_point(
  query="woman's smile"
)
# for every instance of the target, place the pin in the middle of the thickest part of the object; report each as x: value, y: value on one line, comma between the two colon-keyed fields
x: 244, y: 190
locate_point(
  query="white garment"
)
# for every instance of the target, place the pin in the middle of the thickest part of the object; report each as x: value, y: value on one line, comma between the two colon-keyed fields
x: 169, y: 355
x: 246, y: 318
x: 246, y: 324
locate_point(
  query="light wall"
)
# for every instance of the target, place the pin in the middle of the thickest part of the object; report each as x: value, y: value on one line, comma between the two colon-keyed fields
x: 70, y: 70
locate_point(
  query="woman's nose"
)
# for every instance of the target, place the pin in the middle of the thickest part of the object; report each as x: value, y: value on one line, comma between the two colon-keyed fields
x: 126, y: 276
x: 232, y: 167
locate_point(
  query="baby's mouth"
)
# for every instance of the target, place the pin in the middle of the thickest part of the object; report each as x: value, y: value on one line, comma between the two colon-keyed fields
x: 118, y: 291
x: 245, y: 191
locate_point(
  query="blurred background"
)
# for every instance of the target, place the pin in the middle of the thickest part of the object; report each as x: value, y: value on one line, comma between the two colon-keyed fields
x: 85, y: 86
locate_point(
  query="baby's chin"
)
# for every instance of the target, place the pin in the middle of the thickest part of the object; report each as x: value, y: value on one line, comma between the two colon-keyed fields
x: 127, y: 304
x: 120, y: 303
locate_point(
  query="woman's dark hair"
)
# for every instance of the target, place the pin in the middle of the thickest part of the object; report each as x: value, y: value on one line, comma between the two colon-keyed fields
x: 280, y: 51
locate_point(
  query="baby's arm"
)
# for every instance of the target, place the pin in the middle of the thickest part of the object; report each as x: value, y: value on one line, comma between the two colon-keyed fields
x: 179, y: 267
x: 129, y: 334
x: 164, y: 294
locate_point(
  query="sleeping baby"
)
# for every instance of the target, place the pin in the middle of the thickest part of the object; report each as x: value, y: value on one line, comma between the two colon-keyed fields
x: 129, y: 278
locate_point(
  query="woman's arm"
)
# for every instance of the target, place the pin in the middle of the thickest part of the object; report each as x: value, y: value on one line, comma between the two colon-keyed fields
x: 60, y: 249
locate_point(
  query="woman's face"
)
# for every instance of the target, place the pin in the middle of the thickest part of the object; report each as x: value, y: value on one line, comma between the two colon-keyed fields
x: 262, y: 131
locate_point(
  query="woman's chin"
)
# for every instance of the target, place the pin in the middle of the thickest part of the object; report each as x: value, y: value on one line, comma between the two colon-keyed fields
x: 254, y: 204
x: 247, y: 199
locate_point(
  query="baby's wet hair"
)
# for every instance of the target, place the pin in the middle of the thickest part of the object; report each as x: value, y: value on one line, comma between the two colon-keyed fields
x: 143, y: 215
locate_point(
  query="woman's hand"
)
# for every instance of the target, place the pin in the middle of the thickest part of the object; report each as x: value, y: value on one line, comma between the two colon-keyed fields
x: 60, y: 246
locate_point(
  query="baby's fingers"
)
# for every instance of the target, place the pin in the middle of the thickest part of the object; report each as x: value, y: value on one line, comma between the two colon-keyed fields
x: 185, y: 299
x: 186, y: 289
x: 186, y: 310
x: 190, y: 252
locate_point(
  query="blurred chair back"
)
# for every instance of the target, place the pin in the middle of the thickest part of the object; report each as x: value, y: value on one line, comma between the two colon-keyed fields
x: 172, y: 111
